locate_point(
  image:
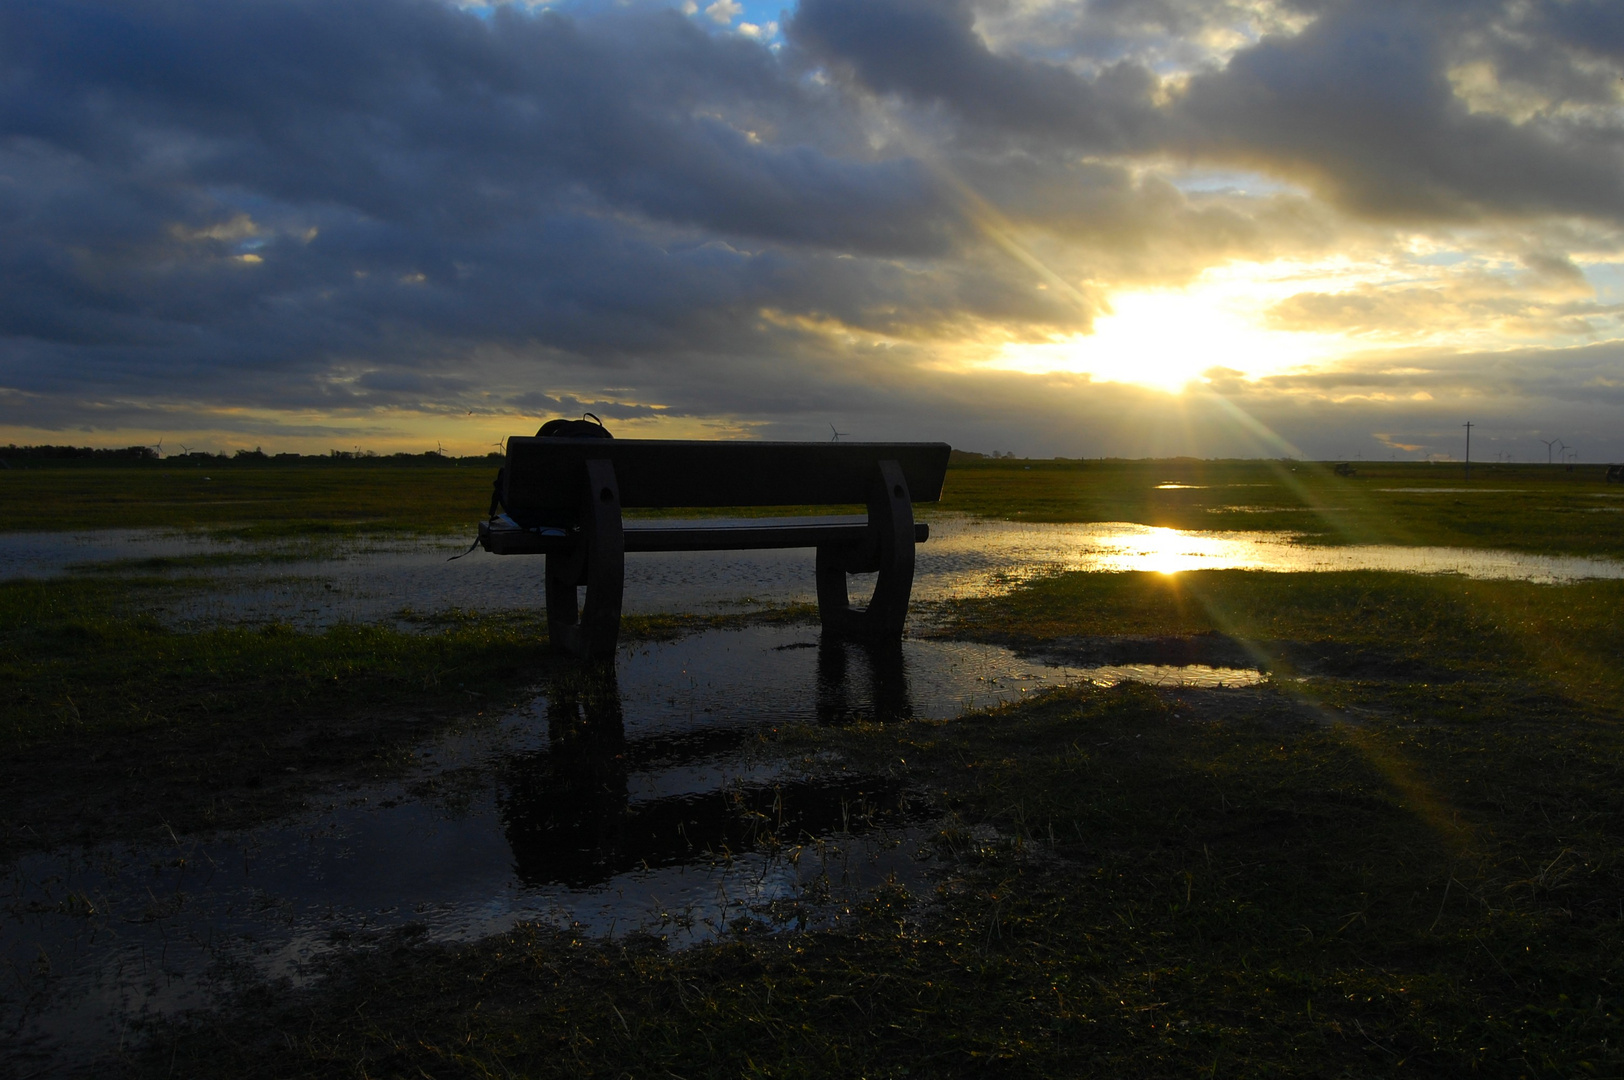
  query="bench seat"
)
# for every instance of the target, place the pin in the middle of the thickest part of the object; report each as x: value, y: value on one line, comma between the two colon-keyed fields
x: 739, y: 534
x: 588, y: 482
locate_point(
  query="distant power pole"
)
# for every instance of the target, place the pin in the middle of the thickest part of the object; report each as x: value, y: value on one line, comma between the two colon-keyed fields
x: 1468, y: 427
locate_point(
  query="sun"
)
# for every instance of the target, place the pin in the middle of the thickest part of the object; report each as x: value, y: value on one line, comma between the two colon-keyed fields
x: 1165, y: 339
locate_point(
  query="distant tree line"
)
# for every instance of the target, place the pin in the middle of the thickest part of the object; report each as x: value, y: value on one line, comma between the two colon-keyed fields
x: 127, y: 453
x: 12, y: 455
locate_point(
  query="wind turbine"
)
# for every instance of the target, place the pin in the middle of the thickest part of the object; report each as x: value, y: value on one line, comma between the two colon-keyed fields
x: 159, y: 447
x: 837, y: 434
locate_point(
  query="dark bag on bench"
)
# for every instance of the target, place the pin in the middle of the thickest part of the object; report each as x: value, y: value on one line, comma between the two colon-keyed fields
x: 552, y: 429
x: 574, y: 429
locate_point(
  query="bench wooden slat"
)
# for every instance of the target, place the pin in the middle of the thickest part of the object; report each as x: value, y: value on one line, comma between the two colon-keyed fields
x: 545, y: 475
x: 807, y: 532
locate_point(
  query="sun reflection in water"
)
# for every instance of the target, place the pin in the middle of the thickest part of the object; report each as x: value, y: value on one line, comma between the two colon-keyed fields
x: 973, y: 557
x: 1168, y: 551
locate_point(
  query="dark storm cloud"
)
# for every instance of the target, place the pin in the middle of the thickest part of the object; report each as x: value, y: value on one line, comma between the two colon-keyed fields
x: 1589, y: 26
x: 219, y: 194
x: 1359, y: 104
x: 928, y: 50
x: 409, y: 111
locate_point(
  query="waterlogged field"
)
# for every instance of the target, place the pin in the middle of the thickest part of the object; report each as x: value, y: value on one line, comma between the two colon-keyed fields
x: 1159, y: 822
x: 1515, y: 507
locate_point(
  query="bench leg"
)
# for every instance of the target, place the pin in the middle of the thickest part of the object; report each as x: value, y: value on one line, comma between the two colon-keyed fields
x: 599, y: 563
x: 890, y: 515
x: 892, y: 509
x: 834, y: 602
x: 605, y: 540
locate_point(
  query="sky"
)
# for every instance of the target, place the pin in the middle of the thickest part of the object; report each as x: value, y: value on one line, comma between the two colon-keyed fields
x: 1074, y: 228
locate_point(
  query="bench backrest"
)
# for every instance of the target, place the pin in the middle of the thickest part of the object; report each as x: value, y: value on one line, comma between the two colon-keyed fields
x: 547, y: 475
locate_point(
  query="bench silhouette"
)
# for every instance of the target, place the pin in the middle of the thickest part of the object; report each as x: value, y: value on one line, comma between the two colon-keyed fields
x: 565, y: 497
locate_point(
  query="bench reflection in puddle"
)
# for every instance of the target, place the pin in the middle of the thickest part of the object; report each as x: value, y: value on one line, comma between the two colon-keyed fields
x: 572, y: 817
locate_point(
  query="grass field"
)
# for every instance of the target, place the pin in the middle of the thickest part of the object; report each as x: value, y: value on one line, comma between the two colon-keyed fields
x: 1567, y: 636
x: 255, y: 501
x: 1519, y: 507
x: 113, y: 726
x: 1403, y: 853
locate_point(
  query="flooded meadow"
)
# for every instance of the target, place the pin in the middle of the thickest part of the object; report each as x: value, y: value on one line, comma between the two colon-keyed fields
x: 313, y: 583
x: 645, y: 804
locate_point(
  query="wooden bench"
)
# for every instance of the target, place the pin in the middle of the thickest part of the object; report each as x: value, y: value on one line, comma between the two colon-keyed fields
x: 586, y: 483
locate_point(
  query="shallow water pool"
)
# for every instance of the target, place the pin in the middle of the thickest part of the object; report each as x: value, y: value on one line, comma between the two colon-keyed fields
x: 646, y: 803
x: 377, y: 579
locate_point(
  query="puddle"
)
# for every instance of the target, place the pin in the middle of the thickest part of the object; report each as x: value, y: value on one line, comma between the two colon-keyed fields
x: 649, y: 805
x: 1248, y: 509
x: 47, y: 554
x: 970, y: 556
x: 377, y: 579
x: 1171, y: 486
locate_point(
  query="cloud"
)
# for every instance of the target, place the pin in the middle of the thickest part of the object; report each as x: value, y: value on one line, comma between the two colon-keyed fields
x: 412, y: 178
x: 1360, y: 105
x: 1357, y: 103
x: 928, y: 51
x: 378, y: 217
x: 1554, y: 301
x: 723, y: 12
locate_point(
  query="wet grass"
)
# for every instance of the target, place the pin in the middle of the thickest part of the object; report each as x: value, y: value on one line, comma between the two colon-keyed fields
x: 1516, y: 507
x: 80, y: 655
x: 1134, y: 893
x: 256, y: 555
x: 114, y: 726
x: 1519, y: 507
x: 1568, y: 636
x: 249, y: 502
x: 1370, y: 874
